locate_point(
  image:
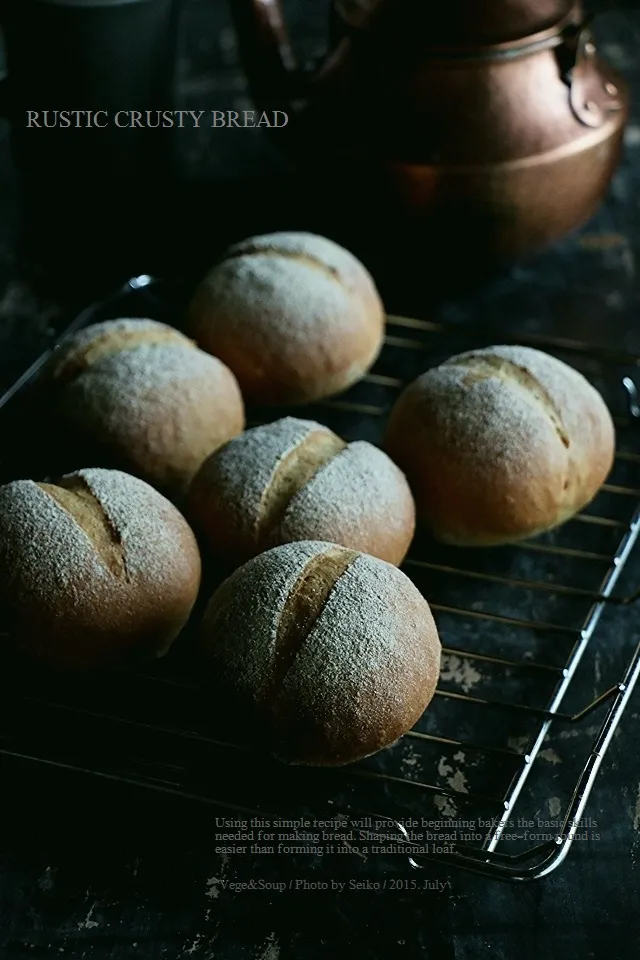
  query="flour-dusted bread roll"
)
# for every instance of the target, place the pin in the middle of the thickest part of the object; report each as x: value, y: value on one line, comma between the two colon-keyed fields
x: 335, y: 651
x: 140, y: 396
x: 96, y: 569
x: 500, y: 444
x: 296, y: 480
x: 294, y: 315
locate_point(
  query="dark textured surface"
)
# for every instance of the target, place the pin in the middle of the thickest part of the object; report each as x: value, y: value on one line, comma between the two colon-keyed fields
x: 90, y: 872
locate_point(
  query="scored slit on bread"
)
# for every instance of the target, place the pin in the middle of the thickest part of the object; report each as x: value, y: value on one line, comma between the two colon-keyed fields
x: 253, y: 250
x: 103, y: 340
x: 482, y: 366
x: 303, y: 607
x: 293, y: 472
x: 73, y: 495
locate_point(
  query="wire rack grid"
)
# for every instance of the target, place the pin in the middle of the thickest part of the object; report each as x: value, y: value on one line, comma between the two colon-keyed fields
x: 517, y: 624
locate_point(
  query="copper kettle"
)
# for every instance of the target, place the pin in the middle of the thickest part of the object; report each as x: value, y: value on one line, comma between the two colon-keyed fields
x: 496, y: 116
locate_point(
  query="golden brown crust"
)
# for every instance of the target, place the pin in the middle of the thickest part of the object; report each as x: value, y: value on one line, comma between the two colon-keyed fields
x: 96, y: 570
x: 500, y: 444
x: 337, y: 650
x: 295, y: 316
x: 360, y: 499
x: 101, y: 340
x: 303, y: 606
x: 240, y: 494
x: 293, y: 472
x: 372, y: 708
x: 139, y: 396
x: 296, y: 480
x: 74, y: 496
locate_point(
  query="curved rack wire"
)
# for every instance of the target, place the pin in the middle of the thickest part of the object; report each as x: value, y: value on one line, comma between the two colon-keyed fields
x: 516, y: 622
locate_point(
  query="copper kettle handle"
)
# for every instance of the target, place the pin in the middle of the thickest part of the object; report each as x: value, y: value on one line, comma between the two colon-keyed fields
x: 274, y: 78
x: 592, y: 95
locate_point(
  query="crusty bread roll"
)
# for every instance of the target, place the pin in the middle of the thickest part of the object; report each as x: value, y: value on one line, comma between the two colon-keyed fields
x: 335, y: 651
x: 296, y: 480
x: 140, y: 396
x: 95, y: 569
x: 500, y: 444
x: 294, y: 315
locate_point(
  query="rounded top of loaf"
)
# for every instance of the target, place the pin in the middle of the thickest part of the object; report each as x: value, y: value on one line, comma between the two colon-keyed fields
x: 295, y: 316
x: 128, y: 377
x: 98, y: 341
x: 98, y: 520
x: 365, y: 656
x: 295, y: 479
x: 245, y: 468
x: 501, y: 442
x: 306, y: 249
x: 511, y: 403
x: 144, y: 397
x: 294, y: 282
x: 97, y: 553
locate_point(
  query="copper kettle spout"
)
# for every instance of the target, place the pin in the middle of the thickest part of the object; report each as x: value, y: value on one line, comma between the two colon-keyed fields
x: 266, y: 51
x: 276, y: 80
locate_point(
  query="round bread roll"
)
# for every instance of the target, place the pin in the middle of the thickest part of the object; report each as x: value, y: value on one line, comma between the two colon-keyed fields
x: 500, y: 444
x: 294, y: 315
x: 296, y: 480
x: 335, y: 652
x: 140, y: 396
x: 95, y: 569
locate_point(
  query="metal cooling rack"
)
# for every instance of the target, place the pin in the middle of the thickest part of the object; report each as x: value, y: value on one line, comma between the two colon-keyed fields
x: 518, y: 624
